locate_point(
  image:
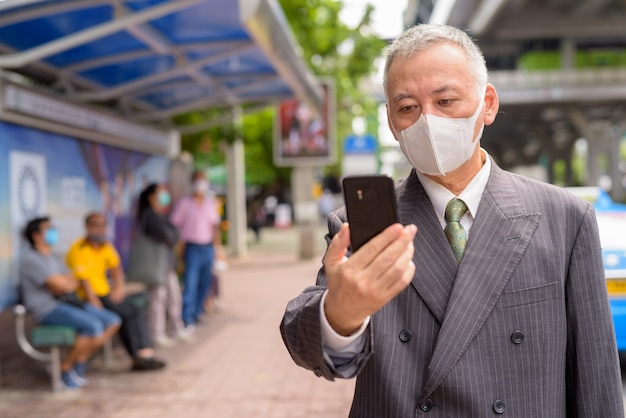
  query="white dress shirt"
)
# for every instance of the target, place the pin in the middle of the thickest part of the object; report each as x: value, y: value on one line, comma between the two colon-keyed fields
x: 339, y: 349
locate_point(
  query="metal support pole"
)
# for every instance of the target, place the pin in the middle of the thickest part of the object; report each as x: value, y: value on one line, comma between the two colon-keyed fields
x: 236, y: 194
x: 55, y: 372
x: 305, y: 209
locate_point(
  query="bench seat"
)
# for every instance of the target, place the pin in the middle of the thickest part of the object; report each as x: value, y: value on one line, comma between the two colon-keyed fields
x: 52, y: 335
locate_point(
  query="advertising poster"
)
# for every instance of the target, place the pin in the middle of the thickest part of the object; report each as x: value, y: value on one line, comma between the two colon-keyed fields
x: 44, y: 173
x: 303, y: 138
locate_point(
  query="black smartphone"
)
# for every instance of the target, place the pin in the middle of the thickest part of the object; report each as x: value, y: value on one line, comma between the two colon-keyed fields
x: 371, y: 206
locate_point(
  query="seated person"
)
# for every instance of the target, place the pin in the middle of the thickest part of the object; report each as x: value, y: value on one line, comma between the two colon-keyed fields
x: 91, y: 259
x: 44, y: 286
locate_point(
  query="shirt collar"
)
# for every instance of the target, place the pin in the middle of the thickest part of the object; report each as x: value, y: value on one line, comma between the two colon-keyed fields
x: 471, y: 195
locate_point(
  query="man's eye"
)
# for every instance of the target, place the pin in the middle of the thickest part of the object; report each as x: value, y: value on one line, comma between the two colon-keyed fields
x: 407, y: 108
x: 445, y: 102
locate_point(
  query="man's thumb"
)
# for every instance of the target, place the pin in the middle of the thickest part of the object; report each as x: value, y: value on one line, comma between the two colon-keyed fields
x: 338, y: 246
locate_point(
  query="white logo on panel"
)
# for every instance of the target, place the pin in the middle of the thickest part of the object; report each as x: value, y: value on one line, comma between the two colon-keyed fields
x: 28, y: 194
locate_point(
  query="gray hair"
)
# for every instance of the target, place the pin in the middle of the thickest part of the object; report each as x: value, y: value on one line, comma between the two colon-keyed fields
x: 420, y: 37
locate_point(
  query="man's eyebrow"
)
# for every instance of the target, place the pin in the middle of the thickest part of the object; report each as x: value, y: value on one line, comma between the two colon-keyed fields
x: 402, y: 96
x: 445, y: 88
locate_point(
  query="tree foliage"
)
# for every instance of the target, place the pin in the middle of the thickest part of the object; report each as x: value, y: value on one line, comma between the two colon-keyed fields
x: 331, y: 49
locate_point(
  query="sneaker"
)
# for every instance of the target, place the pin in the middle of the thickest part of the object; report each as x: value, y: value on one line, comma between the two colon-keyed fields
x: 189, y: 329
x: 68, y: 381
x: 147, y: 363
x: 80, y: 369
x: 164, y: 342
x: 186, y: 334
x: 80, y: 381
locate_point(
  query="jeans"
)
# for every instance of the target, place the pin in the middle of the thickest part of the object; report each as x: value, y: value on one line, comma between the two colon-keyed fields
x: 74, y: 317
x: 196, y: 279
x: 106, y: 317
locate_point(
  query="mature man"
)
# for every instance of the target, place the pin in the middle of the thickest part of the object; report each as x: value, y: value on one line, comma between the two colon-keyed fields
x: 91, y: 259
x: 46, y: 289
x: 198, y: 220
x: 497, y: 305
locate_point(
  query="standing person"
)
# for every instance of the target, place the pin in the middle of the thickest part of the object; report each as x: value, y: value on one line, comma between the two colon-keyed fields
x: 165, y: 299
x: 46, y: 288
x: 91, y: 259
x: 509, y: 315
x: 198, y: 221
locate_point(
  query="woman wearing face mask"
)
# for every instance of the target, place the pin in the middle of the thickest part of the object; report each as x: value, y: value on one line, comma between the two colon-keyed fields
x: 165, y: 298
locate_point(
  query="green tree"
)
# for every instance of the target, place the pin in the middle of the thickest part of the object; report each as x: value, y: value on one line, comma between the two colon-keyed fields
x: 332, y: 50
x: 337, y: 51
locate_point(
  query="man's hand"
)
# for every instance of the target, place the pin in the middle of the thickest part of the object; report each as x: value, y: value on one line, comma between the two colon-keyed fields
x: 90, y: 296
x: 59, y: 284
x: 117, y: 293
x: 95, y: 302
x: 362, y: 284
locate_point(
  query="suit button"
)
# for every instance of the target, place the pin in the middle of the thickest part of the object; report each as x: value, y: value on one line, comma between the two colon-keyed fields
x: 405, y: 335
x: 499, y: 407
x: 427, y: 405
x: 517, y: 337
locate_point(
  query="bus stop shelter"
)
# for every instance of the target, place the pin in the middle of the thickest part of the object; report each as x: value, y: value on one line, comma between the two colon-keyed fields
x: 145, y: 61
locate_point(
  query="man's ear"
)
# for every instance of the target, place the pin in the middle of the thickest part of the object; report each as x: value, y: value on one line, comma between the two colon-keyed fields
x: 492, y: 104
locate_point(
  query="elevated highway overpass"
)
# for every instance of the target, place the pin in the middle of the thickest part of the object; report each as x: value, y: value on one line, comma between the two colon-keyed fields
x: 560, y: 70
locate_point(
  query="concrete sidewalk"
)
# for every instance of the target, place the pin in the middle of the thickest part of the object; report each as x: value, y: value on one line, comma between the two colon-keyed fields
x: 237, y: 366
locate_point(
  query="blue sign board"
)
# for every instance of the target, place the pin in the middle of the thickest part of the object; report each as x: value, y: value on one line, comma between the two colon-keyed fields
x: 360, y: 144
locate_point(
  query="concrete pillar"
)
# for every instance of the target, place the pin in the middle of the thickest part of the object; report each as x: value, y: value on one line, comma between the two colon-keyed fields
x: 617, y: 191
x: 305, y: 209
x: 604, y: 138
x: 236, y: 196
x: 568, y: 54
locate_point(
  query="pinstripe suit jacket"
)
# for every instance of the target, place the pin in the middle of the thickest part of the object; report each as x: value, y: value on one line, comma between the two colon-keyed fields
x: 521, y: 328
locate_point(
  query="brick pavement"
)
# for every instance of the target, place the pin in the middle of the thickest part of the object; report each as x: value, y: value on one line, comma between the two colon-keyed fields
x: 237, y: 367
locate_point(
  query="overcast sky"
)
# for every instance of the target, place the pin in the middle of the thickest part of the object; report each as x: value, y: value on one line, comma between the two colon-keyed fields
x: 387, y: 19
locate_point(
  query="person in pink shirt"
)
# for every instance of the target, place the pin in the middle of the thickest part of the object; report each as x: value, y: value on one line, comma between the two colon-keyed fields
x: 198, y: 220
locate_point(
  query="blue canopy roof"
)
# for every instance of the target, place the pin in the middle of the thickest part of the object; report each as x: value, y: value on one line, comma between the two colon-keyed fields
x: 153, y: 59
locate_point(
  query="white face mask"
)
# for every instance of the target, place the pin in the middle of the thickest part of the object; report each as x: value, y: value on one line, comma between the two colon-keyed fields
x: 436, y: 145
x: 200, y: 186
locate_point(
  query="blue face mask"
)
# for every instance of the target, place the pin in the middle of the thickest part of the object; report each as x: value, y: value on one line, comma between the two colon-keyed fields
x: 164, y: 198
x: 51, y: 236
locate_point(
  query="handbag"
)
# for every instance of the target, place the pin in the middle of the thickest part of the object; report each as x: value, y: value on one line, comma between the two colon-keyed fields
x: 148, y: 261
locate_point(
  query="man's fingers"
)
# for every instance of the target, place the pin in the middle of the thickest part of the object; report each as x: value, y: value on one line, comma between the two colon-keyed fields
x: 384, y: 249
x: 370, y: 250
x: 390, y: 266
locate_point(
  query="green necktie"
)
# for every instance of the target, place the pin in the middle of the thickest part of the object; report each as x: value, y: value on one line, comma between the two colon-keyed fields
x: 454, y: 230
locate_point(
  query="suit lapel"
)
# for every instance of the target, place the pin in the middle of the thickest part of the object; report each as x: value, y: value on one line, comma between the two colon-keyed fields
x: 499, y: 237
x: 434, y: 277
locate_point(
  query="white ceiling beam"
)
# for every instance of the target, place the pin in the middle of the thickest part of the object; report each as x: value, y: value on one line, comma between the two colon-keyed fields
x: 88, y: 64
x: 11, y: 18
x: 484, y: 15
x: 441, y: 12
x: 219, y: 97
x: 20, y: 59
x: 267, y: 25
x: 162, y: 76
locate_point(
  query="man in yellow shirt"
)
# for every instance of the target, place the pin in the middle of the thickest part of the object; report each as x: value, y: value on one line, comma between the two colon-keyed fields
x: 92, y: 260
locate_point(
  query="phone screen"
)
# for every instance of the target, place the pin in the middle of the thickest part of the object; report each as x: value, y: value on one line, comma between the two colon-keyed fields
x: 370, y: 205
